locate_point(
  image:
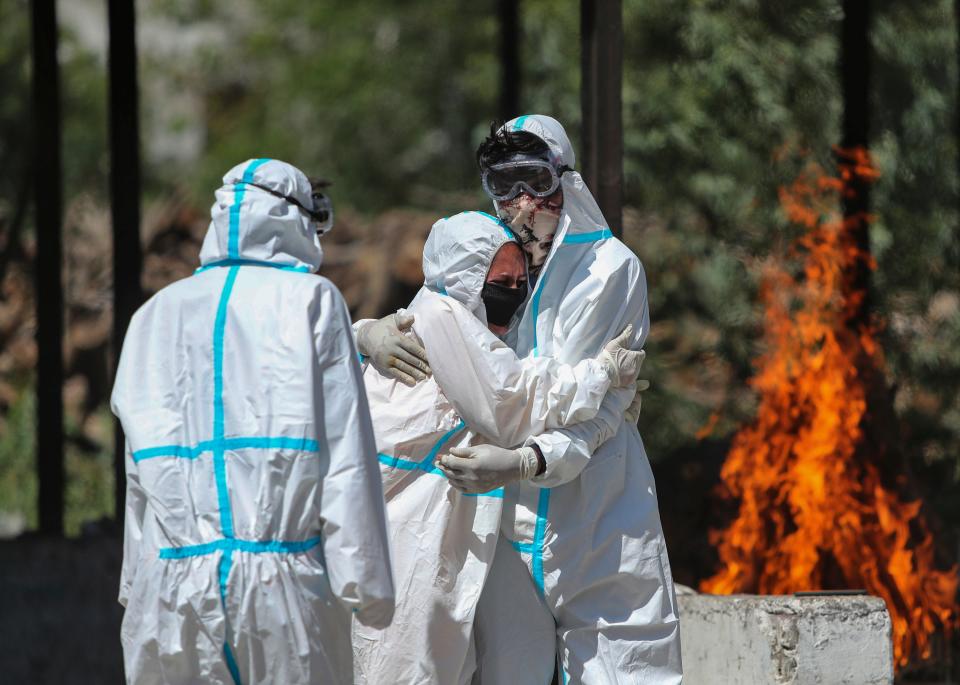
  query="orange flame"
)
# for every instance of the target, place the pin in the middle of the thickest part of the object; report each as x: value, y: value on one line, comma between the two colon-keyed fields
x: 814, y: 511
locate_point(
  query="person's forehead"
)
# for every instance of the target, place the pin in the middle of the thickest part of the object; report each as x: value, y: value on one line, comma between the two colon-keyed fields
x: 507, y: 256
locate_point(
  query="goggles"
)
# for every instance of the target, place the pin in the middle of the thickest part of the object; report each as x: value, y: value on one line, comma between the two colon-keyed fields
x: 505, y: 180
x: 322, y: 211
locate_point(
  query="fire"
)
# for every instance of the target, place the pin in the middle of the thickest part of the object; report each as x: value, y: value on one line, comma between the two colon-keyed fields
x: 815, y: 512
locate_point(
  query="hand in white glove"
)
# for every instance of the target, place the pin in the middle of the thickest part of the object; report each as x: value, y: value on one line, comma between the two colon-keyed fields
x: 481, y: 468
x: 391, y: 352
x: 620, y: 362
x: 632, y: 413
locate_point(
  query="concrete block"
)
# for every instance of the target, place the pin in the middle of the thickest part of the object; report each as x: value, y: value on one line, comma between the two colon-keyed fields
x: 785, y: 640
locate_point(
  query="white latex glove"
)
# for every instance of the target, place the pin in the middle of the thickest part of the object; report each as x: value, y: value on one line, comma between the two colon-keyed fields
x: 632, y: 413
x: 391, y: 352
x: 481, y: 468
x: 620, y: 362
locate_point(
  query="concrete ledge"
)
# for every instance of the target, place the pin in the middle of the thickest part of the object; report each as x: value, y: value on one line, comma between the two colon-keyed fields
x: 785, y: 640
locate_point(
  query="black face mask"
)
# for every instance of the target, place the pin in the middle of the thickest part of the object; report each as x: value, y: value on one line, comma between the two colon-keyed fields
x: 501, y: 302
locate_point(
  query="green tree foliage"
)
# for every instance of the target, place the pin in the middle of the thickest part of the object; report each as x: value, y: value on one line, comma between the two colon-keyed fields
x: 916, y: 237
x: 384, y: 98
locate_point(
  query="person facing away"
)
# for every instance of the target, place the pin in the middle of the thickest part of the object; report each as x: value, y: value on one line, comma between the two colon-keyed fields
x: 475, y: 279
x: 581, y: 575
x: 254, y: 519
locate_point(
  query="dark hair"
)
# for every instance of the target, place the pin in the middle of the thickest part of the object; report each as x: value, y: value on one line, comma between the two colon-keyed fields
x: 502, y: 143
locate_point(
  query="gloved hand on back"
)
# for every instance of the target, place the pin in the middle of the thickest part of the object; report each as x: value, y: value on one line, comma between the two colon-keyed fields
x: 621, y: 363
x: 391, y: 352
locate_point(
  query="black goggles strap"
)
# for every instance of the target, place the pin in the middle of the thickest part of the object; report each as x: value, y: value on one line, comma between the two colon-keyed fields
x: 316, y: 216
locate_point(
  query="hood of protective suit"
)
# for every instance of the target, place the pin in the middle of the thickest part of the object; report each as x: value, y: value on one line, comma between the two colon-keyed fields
x: 581, y: 216
x: 250, y: 225
x: 458, y: 254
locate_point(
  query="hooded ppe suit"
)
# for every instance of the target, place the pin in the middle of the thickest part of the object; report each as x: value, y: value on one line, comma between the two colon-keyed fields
x: 597, y: 589
x: 442, y: 540
x: 254, y: 513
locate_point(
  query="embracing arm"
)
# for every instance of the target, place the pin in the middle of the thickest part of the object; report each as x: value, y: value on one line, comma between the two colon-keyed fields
x: 504, y: 398
x: 382, y: 342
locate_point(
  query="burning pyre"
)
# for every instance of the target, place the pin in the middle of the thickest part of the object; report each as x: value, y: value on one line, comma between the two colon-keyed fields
x: 816, y: 510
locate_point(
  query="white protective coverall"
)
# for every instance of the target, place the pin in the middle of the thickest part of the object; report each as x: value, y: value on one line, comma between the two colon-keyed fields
x: 588, y: 529
x: 254, y: 514
x: 442, y: 540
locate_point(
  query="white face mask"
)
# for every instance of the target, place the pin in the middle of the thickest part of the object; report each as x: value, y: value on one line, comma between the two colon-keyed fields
x: 535, y: 222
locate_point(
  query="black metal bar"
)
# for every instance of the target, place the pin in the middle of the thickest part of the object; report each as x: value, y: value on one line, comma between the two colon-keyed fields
x: 508, y: 15
x: 124, y: 195
x: 48, y: 194
x: 954, y: 256
x: 855, y: 58
x: 601, y: 37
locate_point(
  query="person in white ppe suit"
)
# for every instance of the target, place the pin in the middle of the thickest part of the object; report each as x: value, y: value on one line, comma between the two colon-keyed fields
x: 581, y: 571
x: 254, y: 520
x: 443, y: 541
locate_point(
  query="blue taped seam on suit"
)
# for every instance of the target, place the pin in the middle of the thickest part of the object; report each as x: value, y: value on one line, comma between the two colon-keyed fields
x: 178, y: 451
x: 496, y: 494
x: 281, y: 443
x: 407, y: 464
x: 535, y: 303
x: 227, y: 444
x: 226, y: 561
x: 231, y: 663
x: 427, y: 463
x: 239, y: 190
x: 252, y: 262
x: 539, y: 533
x: 235, y: 545
x: 432, y: 454
x: 219, y: 461
x: 223, y: 573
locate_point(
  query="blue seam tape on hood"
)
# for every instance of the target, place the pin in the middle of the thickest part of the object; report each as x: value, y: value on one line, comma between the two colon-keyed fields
x: 239, y: 190
x: 500, y: 222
